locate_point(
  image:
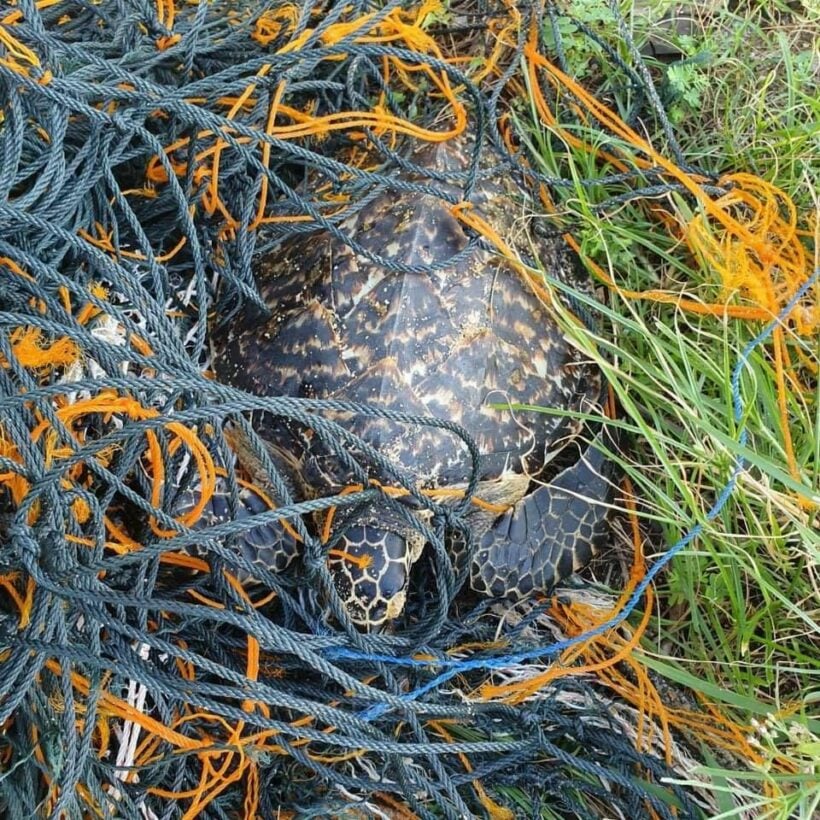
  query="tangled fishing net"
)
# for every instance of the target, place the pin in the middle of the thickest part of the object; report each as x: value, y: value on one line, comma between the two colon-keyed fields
x: 148, y: 150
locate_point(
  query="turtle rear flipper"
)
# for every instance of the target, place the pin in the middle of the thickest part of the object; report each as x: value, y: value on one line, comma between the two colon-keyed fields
x: 551, y: 532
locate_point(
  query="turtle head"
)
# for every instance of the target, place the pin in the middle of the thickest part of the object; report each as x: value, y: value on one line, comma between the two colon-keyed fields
x: 370, y: 562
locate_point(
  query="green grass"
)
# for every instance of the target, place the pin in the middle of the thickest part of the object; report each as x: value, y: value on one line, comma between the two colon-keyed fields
x: 738, y: 615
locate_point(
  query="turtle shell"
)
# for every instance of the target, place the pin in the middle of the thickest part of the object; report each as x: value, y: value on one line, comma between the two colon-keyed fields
x: 461, y: 334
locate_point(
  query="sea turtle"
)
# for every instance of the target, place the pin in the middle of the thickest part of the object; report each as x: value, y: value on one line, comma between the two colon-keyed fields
x: 445, y: 342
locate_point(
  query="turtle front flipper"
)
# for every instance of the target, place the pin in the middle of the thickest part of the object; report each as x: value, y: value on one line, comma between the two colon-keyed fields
x: 271, y: 546
x: 550, y: 533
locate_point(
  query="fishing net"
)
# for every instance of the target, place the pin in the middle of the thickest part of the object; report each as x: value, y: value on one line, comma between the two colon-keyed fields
x: 149, y: 151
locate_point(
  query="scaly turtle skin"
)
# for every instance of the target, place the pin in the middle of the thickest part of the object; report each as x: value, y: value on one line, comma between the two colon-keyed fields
x: 447, y: 343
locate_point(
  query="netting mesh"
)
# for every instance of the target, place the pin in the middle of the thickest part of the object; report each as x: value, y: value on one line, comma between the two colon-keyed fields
x: 149, y: 150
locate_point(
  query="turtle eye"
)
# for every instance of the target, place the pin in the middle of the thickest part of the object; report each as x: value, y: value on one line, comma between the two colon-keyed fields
x: 370, y: 568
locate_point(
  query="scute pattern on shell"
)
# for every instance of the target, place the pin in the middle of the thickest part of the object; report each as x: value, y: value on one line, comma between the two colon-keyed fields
x: 446, y: 343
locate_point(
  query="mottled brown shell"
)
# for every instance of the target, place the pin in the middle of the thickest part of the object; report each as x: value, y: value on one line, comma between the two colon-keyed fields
x: 447, y: 343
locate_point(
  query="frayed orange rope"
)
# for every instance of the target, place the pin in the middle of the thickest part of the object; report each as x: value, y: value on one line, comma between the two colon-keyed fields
x: 107, y: 404
x: 20, y: 58
x: 274, y: 22
x: 33, y: 352
x: 166, y: 14
x: 759, y: 244
x: 749, y: 255
x: 762, y: 244
x: 758, y: 254
x: 399, y: 26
